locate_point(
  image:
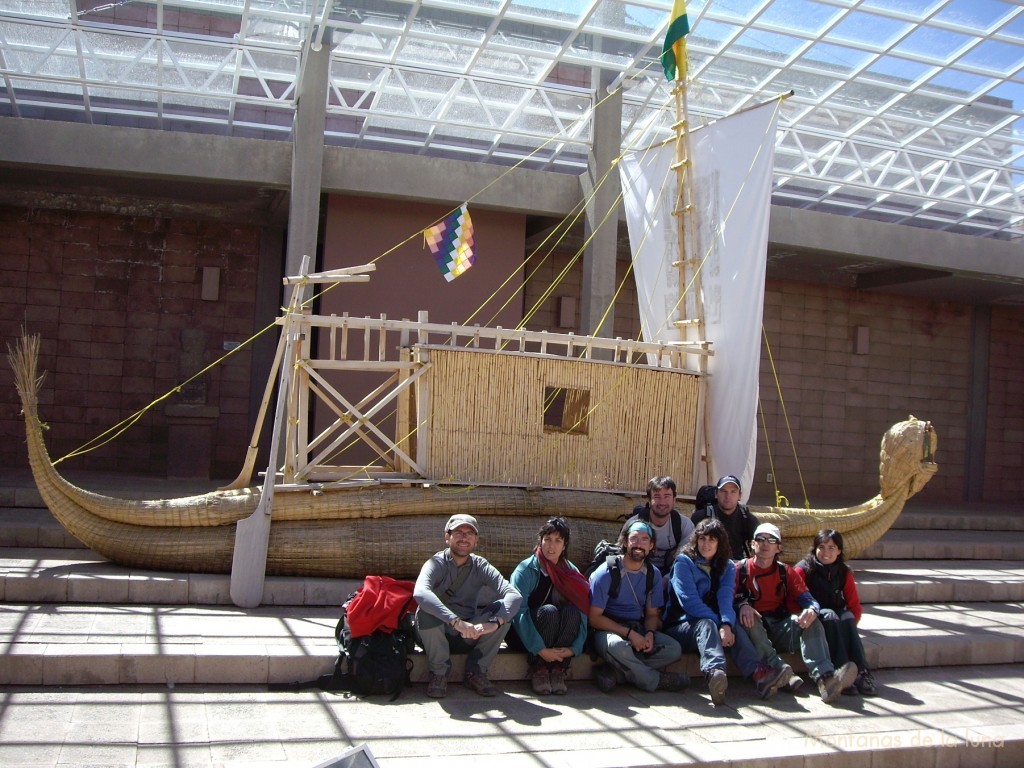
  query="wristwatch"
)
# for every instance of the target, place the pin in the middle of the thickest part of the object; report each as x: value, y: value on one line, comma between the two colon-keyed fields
x: 494, y: 620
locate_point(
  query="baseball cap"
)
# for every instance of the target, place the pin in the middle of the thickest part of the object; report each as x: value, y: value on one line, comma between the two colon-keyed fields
x: 456, y: 520
x: 770, y: 530
x: 724, y: 481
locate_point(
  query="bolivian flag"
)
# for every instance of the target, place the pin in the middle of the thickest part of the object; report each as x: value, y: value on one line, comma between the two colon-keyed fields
x: 673, y: 52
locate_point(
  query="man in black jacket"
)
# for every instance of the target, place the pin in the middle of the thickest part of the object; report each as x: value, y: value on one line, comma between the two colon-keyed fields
x: 737, y: 519
x: 670, y: 527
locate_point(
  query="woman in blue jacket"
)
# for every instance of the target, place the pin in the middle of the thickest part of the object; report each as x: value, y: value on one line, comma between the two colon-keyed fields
x: 699, y: 613
x: 552, y: 620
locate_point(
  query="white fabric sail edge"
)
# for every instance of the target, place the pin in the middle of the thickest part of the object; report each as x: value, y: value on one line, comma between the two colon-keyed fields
x: 732, y: 161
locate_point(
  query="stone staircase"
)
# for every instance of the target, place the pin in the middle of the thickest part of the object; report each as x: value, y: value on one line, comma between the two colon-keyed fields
x: 944, y: 588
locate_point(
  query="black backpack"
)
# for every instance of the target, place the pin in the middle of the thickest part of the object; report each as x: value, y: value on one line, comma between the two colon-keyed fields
x: 376, y: 664
x: 706, y: 494
x: 606, y: 552
x: 369, y: 665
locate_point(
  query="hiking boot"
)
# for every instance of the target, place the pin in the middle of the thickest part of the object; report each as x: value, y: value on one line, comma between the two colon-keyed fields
x: 768, y: 680
x: 718, y: 682
x: 793, y: 685
x: 671, y: 681
x: 478, y: 682
x: 604, y: 677
x: 541, y: 681
x: 831, y: 685
x: 865, y: 684
x: 557, y: 675
x: 437, y: 686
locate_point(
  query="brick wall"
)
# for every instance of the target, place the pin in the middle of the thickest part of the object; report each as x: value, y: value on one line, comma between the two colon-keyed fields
x: 1004, y: 449
x: 840, y: 403
x: 110, y: 296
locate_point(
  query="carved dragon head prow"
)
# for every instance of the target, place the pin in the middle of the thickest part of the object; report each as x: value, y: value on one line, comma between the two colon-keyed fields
x: 907, y: 460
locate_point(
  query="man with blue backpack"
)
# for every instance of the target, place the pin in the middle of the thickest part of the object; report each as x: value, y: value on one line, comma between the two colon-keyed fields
x: 626, y: 598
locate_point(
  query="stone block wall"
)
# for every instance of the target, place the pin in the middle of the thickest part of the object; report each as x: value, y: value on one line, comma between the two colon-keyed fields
x: 110, y: 296
x: 1004, y: 449
x: 834, y: 404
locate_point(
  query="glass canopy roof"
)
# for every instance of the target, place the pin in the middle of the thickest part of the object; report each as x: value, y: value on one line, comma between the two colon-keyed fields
x: 905, y: 111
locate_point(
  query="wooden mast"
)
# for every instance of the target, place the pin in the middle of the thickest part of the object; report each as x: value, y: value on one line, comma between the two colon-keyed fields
x: 691, y: 302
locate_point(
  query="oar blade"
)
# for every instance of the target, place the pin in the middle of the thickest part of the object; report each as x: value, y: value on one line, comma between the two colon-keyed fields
x: 249, y: 562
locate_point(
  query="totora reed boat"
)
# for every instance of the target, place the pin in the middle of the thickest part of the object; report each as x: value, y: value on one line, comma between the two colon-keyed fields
x: 509, y: 424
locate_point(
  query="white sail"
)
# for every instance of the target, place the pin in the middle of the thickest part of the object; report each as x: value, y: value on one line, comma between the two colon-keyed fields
x: 732, y: 161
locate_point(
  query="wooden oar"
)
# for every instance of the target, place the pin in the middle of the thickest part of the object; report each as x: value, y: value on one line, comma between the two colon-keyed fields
x: 252, y: 535
x: 245, y: 475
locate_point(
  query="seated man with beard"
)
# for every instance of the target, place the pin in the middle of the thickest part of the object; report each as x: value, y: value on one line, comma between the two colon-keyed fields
x: 626, y: 598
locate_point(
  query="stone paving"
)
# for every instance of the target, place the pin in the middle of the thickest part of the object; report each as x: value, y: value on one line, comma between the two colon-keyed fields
x: 923, y: 717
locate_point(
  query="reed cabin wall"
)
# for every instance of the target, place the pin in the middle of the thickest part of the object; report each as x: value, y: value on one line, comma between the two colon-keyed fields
x: 496, y: 418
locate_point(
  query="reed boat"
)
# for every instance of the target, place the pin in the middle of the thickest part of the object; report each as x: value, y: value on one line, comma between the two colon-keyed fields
x: 510, y: 425
x: 349, y: 529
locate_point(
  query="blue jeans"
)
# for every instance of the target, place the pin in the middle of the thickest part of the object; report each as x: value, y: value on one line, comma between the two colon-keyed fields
x: 640, y: 670
x: 844, y: 643
x: 772, y: 636
x: 439, y: 640
x: 703, y: 637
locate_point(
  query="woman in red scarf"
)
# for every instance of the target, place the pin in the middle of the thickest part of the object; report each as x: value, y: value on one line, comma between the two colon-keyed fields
x: 552, y: 621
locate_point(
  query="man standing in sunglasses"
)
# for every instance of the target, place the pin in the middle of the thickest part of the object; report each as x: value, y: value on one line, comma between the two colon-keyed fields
x: 449, y: 616
x: 779, y: 614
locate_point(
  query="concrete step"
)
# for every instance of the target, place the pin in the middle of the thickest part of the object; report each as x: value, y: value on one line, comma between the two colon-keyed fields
x: 44, y: 575
x: 924, y: 581
x: 57, y: 644
x: 947, y: 544
x: 985, y: 518
x: 952, y: 716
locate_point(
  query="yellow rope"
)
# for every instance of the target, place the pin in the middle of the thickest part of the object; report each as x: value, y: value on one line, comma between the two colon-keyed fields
x: 785, y: 415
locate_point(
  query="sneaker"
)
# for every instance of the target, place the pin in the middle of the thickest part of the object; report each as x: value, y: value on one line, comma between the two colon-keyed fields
x: 437, y: 686
x: 768, y: 680
x: 830, y: 686
x: 541, y: 681
x: 718, y: 682
x: 865, y: 684
x: 604, y: 676
x: 557, y: 676
x: 478, y: 682
x: 672, y: 681
x: 793, y: 685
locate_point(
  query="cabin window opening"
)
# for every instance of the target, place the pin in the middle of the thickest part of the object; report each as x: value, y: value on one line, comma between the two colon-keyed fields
x: 567, y: 410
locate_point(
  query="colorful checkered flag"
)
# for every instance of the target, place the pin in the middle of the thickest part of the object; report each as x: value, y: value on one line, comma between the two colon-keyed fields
x: 451, y: 242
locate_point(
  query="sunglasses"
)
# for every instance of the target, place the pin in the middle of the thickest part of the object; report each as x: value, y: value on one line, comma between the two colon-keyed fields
x: 766, y: 540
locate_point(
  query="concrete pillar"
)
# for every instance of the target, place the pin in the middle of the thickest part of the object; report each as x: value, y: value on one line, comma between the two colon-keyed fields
x: 977, y: 405
x: 308, y: 157
x: 601, y: 223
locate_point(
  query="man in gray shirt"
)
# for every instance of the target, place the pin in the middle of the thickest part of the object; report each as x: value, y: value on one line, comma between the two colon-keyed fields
x: 465, y: 606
